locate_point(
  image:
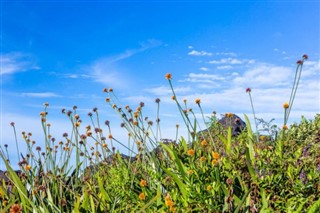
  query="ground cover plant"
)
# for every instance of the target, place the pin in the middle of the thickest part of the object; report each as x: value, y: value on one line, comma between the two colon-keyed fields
x: 204, y: 171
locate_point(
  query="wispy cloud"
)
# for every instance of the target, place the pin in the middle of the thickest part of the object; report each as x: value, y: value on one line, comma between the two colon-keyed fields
x: 200, y: 53
x: 17, y: 62
x: 107, y: 70
x: 40, y: 95
x: 232, y: 61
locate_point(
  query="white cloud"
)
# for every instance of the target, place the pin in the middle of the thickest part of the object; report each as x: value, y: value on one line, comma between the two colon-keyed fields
x: 190, y: 47
x: 204, y: 68
x: 224, y: 67
x: 165, y: 90
x: 40, y: 95
x: 230, y: 61
x: 227, y: 54
x: 199, y: 53
x: 16, y: 62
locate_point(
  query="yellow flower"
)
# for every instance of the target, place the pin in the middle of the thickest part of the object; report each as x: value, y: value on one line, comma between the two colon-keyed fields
x: 209, y: 187
x: 168, y: 76
x: 89, y: 133
x: 142, y: 196
x: 27, y: 167
x: 203, y: 158
x: 190, y: 171
x: 215, y: 155
x: 286, y: 105
x: 173, y: 97
x: 191, y: 152
x: 263, y: 138
x: 204, y: 142
x: 104, y: 145
x: 173, y: 209
x: 198, y: 100
x: 169, y: 202
x: 285, y: 127
x: 143, y: 183
x: 214, y: 162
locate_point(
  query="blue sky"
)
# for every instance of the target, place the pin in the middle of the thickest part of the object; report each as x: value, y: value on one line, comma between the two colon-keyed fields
x: 66, y: 52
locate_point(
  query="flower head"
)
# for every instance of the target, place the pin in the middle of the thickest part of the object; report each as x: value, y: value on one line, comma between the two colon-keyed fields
x: 198, y: 100
x: 143, y: 182
x: 248, y: 90
x: 15, y: 208
x: 305, y: 57
x: 28, y: 167
x: 142, y: 196
x: 168, y: 76
x: 215, y: 155
x: 204, y: 142
x: 284, y: 127
x: 300, y: 62
x: 191, y: 152
x: 286, y: 105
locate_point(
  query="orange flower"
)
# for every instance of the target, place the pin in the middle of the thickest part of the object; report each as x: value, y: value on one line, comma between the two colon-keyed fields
x: 191, y: 152
x: 143, y: 183
x: 110, y: 136
x: 209, y: 187
x: 168, y: 201
x: 215, y: 155
x: 104, y: 145
x: 203, y: 158
x: 168, y: 76
x: 285, y: 127
x: 204, y: 142
x: 142, y: 196
x: 107, y: 99
x: 214, y: 162
x: 15, y: 208
x: 286, y: 105
x: 198, y: 100
x: 173, y: 97
x: 27, y: 167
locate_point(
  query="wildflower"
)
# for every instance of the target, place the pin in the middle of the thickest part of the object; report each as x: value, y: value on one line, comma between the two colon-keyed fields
x: 198, y: 100
x: 114, y: 106
x: 229, y: 115
x: 142, y: 196
x: 190, y: 171
x: 214, y: 162
x: 203, y: 158
x: 286, y: 105
x: 173, y: 97
x: 89, y: 114
x: 191, y: 152
x: 177, y: 126
x: 104, y: 145
x: 107, y: 99
x: 284, y: 127
x: 263, y: 138
x: 157, y: 100
x: 110, y: 136
x: 248, y: 90
x: 305, y: 57
x: 107, y: 123
x: 173, y: 209
x: 12, y: 123
x: 27, y: 167
x: 300, y: 62
x: 209, y: 187
x: 215, y: 155
x: 168, y: 76
x: 74, y: 107
x: 77, y: 124
x: 185, y: 100
x: 204, y: 142
x: 89, y: 133
x: 16, y: 208
x: 141, y: 104
x: 110, y: 89
x: 76, y: 116
x: 169, y: 202
x: 105, y: 90
x: 143, y: 182
x: 43, y: 113
x: 135, y: 123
